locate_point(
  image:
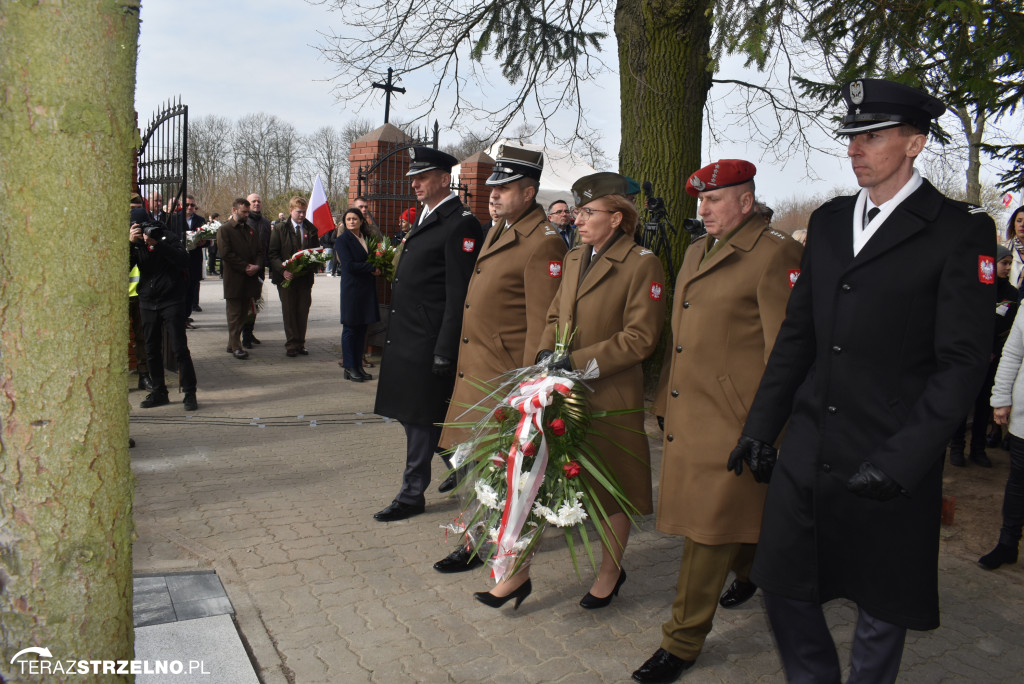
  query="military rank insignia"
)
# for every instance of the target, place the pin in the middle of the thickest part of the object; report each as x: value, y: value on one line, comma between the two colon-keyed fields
x: 656, y: 291
x: 555, y: 269
x: 986, y: 269
x: 468, y: 244
x: 794, y: 273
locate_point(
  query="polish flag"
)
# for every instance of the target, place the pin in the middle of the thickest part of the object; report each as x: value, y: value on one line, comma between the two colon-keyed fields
x: 1007, y: 200
x: 319, y: 211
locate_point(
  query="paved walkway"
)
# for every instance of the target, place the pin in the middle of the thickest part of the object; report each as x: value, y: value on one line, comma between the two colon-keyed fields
x: 273, y: 483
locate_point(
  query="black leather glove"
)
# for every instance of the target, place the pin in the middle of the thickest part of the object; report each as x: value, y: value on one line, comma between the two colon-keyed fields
x: 661, y: 422
x: 758, y: 455
x: 442, y: 366
x: 565, y: 363
x: 543, y: 356
x: 872, y: 483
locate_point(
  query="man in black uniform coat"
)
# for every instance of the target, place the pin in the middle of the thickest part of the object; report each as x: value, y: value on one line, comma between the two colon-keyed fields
x: 422, y: 342
x: 885, y: 344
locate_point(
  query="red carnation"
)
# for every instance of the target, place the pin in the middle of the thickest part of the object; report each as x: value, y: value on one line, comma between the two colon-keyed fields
x: 572, y: 469
x: 499, y: 415
x: 557, y: 427
x: 530, y: 449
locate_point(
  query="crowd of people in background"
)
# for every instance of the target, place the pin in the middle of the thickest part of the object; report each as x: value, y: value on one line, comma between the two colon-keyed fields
x: 808, y: 393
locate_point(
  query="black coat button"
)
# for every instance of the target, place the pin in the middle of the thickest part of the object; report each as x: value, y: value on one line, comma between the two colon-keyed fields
x: 846, y: 287
x: 686, y: 305
x: 478, y: 270
x: 836, y: 349
x: 669, y: 437
x: 675, y: 393
x: 826, y: 468
x: 465, y: 340
x: 679, y: 348
x: 460, y: 374
x: 832, y: 410
x: 467, y: 305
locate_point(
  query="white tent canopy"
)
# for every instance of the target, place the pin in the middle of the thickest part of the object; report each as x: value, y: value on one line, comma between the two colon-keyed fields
x: 562, y: 168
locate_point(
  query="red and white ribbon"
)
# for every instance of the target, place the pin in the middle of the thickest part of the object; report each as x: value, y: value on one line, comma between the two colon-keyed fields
x: 532, y: 398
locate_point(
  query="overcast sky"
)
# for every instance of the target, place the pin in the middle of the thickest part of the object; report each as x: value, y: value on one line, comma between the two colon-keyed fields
x: 232, y: 58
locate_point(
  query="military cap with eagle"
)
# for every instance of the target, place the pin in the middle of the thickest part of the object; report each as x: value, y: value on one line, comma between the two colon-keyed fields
x: 427, y: 159
x: 874, y: 104
x: 514, y: 163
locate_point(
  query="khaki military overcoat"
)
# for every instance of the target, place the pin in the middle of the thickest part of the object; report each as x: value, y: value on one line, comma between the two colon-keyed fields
x: 238, y: 245
x: 725, y: 316
x: 617, y: 311
x: 515, y: 278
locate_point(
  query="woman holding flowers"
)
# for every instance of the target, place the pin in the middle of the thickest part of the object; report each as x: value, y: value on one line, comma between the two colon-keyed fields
x: 611, y: 300
x: 358, y: 292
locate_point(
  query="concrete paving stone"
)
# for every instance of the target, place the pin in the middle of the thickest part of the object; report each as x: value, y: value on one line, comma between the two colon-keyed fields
x: 303, y: 603
x: 203, y: 608
x: 382, y: 635
x: 194, y: 585
x: 303, y: 658
x: 422, y: 668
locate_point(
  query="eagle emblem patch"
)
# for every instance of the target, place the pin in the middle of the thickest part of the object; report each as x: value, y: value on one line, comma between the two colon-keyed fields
x: 468, y: 244
x: 555, y: 269
x: 656, y: 291
x: 794, y: 273
x: 986, y: 269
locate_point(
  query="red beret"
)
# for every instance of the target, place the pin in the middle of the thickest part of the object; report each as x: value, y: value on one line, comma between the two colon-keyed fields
x: 721, y: 174
x: 410, y: 215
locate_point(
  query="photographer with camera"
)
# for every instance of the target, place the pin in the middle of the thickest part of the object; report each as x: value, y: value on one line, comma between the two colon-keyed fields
x: 163, y: 280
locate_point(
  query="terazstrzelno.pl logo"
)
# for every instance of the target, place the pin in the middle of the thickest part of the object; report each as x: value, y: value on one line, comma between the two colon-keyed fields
x: 45, y: 664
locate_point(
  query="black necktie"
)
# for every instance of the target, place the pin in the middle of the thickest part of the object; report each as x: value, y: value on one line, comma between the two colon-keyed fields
x: 872, y: 213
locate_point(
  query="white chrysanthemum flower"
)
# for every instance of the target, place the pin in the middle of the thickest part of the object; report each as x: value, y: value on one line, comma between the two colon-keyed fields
x: 486, y: 495
x: 523, y: 479
x: 544, y: 512
x: 571, y: 515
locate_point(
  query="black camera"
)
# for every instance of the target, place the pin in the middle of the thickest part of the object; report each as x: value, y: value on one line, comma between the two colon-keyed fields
x: 154, y: 230
x: 694, y: 226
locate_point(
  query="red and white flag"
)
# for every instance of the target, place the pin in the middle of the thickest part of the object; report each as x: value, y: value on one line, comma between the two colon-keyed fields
x: 319, y: 211
x: 1007, y: 200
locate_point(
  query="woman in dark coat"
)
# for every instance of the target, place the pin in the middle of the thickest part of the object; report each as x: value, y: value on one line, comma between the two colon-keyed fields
x: 358, y: 292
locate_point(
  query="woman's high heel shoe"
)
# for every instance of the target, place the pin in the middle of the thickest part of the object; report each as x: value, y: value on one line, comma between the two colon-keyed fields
x: 353, y: 375
x: 489, y: 599
x: 591, y: 602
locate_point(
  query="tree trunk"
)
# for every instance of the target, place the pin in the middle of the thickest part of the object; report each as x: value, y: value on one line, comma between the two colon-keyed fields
x: 67, y: 132
x: 664, y: 82
x: 974, y: 131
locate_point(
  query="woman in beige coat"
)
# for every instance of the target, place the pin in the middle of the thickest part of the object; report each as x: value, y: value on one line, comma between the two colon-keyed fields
x: 612, y: 296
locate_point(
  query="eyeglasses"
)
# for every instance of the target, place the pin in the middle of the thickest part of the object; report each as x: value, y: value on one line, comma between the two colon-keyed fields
x: 588, y: 212
x: 560, y: 211
x: 190, y: 204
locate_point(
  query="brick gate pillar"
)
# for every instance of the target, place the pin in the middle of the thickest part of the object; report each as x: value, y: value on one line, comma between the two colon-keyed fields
x: 388, y: 179
x: 475, y: 171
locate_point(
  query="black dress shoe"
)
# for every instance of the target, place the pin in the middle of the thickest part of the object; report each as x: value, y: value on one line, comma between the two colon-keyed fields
x: 197, y: 309
x: 190, y: 402
x: 304, y: 351
x: 241, y: 354
x: 364, y: 374
x: 737, y: 594
x: 398, y: 511
x: 590, y: 602
x: 661, y: 668
x: 254, y: 340
x: 459, y: 560
x: 144, y: 382
x: 450, y: 483
x: 351, y: 374
x: 292, y: 353
x: 489, y: 599
x: 1003, y: 554
x: 230, y: 350
x: 155, y: 398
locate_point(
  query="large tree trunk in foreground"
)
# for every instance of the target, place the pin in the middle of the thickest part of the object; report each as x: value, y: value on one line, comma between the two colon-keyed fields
x: 67, y: 70
x: 664, y: 83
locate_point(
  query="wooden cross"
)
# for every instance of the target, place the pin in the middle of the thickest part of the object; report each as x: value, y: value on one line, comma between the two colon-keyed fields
x: 388, y: 88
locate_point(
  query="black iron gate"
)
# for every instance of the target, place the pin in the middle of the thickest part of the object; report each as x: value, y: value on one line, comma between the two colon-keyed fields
x: 163, y: 158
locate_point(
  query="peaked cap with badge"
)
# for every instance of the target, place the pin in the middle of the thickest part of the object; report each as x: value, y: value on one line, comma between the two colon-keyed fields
x: 514, y: 163
x: 874, y: 104
x: 428, y: 159
x: 720, y: 174
x: 589, y: 188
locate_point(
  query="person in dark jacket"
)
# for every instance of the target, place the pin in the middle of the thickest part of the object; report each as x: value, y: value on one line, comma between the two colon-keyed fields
x: 163, y: 281
x: 1006, y: 309
x: 181, y: 224
x: 358, y: 292
x: 287, y: 238
x: 886, y: 340
x: 422, y: 341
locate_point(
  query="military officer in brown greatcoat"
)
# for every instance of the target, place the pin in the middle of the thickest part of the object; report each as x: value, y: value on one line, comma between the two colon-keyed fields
x: 241, y: 255
x: 612, y: 298
x: 516, y: 275
x: 729, y: 302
